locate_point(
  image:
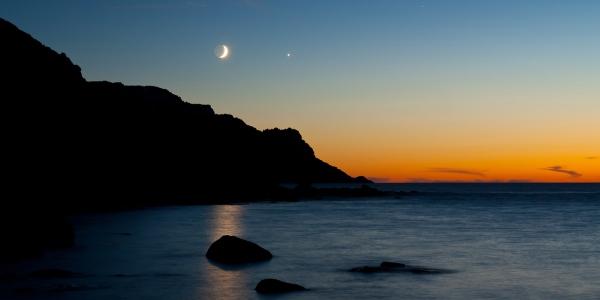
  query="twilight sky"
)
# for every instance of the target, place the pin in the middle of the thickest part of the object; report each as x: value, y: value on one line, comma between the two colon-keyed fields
x: 402, y: 90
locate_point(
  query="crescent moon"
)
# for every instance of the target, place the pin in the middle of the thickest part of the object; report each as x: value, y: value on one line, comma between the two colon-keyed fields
x: 224, y: 53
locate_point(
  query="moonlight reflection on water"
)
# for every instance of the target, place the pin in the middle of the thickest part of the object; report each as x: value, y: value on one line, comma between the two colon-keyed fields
x: 224, y: 283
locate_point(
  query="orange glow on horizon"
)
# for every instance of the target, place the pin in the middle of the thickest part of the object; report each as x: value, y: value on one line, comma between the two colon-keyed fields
x: 463, y: 160
x: 578, y: 169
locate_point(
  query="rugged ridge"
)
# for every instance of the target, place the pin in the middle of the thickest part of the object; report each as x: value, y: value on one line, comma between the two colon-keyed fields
x: 72, y: 139
x: 71, y: 145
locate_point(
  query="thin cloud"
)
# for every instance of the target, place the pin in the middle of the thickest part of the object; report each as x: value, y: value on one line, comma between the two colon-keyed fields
x: 428, y: 180
x: 592, y: 157
x: 560, y: 169
x: 458, y: 171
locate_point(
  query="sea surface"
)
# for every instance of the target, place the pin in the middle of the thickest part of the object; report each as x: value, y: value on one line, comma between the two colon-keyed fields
x: 504, y: 241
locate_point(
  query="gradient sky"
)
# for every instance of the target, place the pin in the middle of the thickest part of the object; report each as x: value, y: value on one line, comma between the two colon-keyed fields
x: 394, y: 90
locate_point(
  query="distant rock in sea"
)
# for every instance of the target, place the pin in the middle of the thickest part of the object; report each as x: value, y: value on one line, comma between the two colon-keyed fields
x: 233, y: 250
x: 309, y: 191
x: 362, y: 179
x: 394, y: 267
x: 274, y: 286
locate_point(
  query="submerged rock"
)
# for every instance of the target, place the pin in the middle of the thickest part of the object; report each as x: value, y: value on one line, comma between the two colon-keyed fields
x: 274, y: 286
x: 420, y: 270
x: 394, y: 267
x: 233, y: 250
x: 367, y: 269
x: 389, y: 264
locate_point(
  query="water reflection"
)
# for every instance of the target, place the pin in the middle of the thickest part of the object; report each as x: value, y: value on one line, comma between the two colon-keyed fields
x: 221, y: 283
x: 226, y: 220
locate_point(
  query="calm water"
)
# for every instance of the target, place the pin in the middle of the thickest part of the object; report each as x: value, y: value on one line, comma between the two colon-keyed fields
x: 517, y: 241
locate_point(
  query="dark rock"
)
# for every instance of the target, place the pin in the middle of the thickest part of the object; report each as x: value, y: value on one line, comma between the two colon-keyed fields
x: 59, y: 233
x: 55, y: 273
x: 367, y: 269
x: 394, y: 267
x: 233, y: 250
x: 422, y: 270
x: 274, y: 286
x: 388, y: 264
x: 309, y: 191
x: 362, y: 179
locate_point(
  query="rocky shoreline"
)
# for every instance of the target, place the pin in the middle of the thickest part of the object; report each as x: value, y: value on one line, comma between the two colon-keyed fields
x: 38, y: 232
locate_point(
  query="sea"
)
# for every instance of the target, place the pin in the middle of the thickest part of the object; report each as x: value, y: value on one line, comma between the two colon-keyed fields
x: 501, y: 241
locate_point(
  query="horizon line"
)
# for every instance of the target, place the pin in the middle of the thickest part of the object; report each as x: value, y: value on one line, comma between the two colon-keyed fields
x: 486, y: 182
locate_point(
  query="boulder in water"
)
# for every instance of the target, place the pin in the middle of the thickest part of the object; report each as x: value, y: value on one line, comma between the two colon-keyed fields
x: 394, y: 267
x: 233, y: 250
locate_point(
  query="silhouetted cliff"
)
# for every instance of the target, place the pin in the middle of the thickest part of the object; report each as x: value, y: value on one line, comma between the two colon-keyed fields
x: 85, y: 144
